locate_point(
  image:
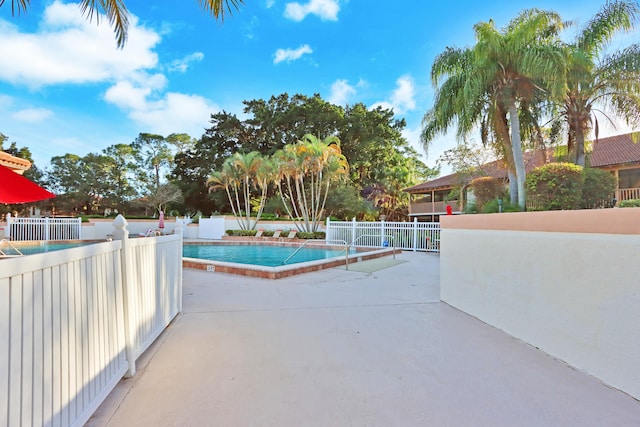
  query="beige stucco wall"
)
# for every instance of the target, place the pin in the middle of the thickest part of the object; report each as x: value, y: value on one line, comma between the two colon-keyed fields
x: 572, y: 291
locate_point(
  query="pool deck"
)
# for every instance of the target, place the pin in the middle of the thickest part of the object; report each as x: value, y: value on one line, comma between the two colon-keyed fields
x: 349, y: 348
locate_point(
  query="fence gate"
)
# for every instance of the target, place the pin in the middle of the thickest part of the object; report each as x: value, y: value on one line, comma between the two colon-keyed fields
x: 43, y: 228
x: 415, y: 236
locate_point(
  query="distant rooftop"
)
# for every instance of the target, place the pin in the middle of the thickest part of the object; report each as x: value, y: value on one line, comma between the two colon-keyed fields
x: 615, y: 150
x: 609, y: 151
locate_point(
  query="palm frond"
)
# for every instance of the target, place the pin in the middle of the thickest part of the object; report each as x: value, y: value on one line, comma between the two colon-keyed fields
x: 18, y: 6
x: 218, y: 8
x: 116, y: 13
x: 612, y: 18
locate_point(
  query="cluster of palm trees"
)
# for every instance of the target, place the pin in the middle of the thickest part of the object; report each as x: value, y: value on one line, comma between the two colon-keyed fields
x: 301, y: 173
x: 517, y: 83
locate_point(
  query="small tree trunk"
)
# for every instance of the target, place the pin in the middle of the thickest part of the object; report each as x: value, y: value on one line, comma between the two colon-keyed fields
x: 518, y: 157
x: 580, y: 147
x: 513, y: 186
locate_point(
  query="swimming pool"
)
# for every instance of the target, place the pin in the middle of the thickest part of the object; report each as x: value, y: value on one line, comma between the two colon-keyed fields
x: 323, y: 258
x: 267, y: 256
x: 31, y: 248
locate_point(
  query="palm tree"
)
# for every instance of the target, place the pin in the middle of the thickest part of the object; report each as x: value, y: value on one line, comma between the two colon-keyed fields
x: 487, y: 84
x: 303, y: 175
x: 118, y: 16
x: 612, y: 81
x: 240, y: 175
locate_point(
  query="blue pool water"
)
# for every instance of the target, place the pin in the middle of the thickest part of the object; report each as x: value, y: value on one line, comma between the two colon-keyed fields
x: 268, y: 256
x: 44, y: 247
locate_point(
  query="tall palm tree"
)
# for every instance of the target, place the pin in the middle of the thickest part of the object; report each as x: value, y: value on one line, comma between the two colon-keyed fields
x: 611, y: 81
x: 305, y: 172
x: 487, y: 84
x: 240, y: 175
x: 118, y: 16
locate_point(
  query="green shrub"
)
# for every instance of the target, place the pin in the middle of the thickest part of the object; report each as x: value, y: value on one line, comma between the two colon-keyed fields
x: 598, y: 188
x: 492, y: 206
x: 268, y: 233
x: 556, y: 186
x: 485, y: 188
x: 311, y: 235
x: 631, y: 203
x: 470, y: 208
x: 243, y: 233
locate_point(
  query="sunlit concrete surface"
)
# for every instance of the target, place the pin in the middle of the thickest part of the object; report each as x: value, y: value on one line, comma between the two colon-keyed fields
x: 348, y: 348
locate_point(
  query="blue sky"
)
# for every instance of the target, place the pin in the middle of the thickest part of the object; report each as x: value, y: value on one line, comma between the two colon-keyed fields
x: 66, y: 88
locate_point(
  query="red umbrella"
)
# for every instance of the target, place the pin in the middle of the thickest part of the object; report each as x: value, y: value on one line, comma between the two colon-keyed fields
x: 15, y: 188
x: 161, y: 221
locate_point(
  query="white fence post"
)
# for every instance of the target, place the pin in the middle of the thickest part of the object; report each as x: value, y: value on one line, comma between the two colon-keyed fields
x: 382, y: 237
x: 327, y: 230
x: 47, y: 231
x: 415, y: 234
x: 8, y: 230
x: 353, y: 230
x: 121, y: 233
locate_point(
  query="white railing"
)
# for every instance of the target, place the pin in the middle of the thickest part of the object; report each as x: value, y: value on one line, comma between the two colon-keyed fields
x: 43, y: 228
x: 73, y: 322
x: 415, y: 236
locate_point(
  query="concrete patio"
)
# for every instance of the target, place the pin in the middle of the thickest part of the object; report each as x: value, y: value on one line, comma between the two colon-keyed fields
x: 349, y: 348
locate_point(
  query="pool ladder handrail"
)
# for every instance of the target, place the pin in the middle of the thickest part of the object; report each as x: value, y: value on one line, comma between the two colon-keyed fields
x: 376, y: 235
x: 8, y: 243
x: 319, y: 242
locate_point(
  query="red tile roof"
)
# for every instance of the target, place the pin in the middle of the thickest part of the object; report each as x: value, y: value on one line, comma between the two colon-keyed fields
x: 495, y: 169
x: 610, y: 151
x: 615, y: 150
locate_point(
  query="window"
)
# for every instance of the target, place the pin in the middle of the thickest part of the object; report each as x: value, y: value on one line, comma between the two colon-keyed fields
x: 629, y: 178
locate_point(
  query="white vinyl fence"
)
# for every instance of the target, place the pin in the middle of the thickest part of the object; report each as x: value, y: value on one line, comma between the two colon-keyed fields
x: 415, y: 236
x: 43, y: 228
x: 73, y: 322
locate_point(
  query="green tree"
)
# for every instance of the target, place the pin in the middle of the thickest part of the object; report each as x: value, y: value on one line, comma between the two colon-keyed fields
x: 304, y: 173
x: 121, y: 175
x: 371, y: 141
x: 486, y: 84
x: 79, y: 181
x: 118, y: 16
x: 239, y: 176
x: 154, y: 155
x: 611, y: 81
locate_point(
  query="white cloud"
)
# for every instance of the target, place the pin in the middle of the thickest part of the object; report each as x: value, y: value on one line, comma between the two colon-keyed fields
x: 403, y: 97
x: 32, y: 115
x: 176, y: 112
x: 158, y: 112
x: 269, y: 3
x: 291, y: 54
x: 327, y: 10
x: 70, y: 49
x: 341, y: 90
x: 182, y: 65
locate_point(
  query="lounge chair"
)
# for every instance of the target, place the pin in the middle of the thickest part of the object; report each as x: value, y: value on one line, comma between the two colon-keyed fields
x: 277, y: 233
x: 291, y: 234
x: 259, y: 233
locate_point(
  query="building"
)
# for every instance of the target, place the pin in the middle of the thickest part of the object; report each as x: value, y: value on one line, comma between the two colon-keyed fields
x: 619, y: 154
x: 16, y: 164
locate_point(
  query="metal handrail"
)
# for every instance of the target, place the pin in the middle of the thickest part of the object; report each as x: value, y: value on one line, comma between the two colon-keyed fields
x: 316, y: 241
x: 376, y: 235
x: 11, y: 246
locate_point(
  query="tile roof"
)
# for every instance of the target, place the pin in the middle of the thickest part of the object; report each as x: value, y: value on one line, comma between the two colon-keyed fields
x: 495, y: 169
x: 615, y: 150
